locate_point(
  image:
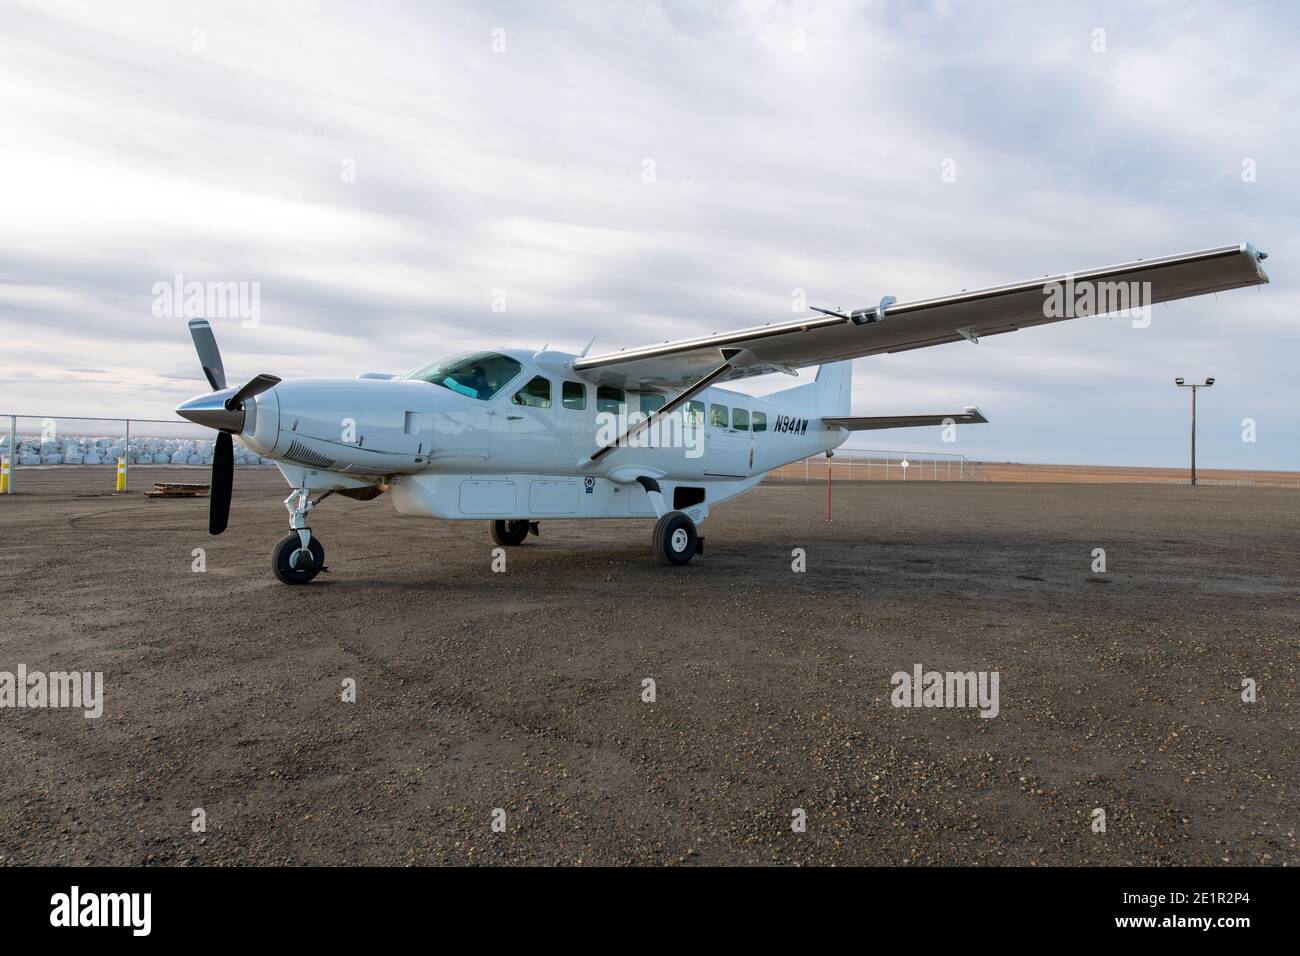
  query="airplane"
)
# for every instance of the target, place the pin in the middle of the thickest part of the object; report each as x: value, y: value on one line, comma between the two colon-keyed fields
x: 516, y: 437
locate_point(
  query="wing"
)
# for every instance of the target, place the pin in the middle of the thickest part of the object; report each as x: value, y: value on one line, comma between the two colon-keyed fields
x: 862, y: 423
x: 898, y: 327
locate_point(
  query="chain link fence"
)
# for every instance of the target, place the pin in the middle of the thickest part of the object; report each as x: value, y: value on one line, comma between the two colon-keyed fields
x: 36, y: 443
x: 860, y: 464
x: 856, y: 464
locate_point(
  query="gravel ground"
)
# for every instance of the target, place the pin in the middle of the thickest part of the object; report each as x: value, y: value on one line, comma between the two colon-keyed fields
x: 523, y: 690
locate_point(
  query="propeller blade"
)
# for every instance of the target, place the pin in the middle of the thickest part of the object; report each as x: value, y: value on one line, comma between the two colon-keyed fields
x: 254, y: 386
x: 223, y: 478
x: 205, y: 343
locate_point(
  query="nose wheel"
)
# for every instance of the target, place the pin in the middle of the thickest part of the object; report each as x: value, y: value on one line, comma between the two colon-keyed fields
x: 299, y: 557
x: 294, y: 564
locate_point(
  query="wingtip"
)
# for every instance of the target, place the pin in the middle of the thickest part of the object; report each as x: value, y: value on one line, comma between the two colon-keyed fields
x: 1257, y: 257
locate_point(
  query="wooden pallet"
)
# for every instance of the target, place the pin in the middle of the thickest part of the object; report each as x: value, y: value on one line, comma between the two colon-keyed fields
x: 174, y: 489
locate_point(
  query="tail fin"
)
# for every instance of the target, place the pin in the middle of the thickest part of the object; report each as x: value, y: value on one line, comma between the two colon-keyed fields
x: 828, y: 395
x: 834, y: 388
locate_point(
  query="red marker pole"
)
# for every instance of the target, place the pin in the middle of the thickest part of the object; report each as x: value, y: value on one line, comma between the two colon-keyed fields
x: 828, y: 488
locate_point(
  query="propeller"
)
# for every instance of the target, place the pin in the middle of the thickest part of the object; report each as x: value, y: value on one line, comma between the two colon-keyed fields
x: 205, y: 343
x: 254, y: 386
x: 223, y: 410
x: 223, y: 480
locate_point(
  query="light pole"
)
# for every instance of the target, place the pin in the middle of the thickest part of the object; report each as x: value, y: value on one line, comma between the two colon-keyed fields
x: 1181, y: 384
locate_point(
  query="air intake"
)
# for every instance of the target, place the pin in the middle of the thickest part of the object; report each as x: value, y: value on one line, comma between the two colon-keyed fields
x: 300, y: 453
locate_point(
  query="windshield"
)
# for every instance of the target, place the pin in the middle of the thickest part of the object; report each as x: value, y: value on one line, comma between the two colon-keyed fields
x: 476, y: 374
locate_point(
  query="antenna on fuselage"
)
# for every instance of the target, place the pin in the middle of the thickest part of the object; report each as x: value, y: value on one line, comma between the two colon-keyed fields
x: 587, y: 347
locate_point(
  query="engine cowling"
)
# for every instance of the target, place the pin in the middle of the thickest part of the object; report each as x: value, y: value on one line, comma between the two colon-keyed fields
x: 352, y: 426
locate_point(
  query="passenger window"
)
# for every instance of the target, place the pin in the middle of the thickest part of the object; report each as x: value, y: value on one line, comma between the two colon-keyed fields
x: 651, y: 402
x: 694, y: 413
x: 574, y: 395
x: 760, y: 421
x: 609, y: 399
x: 740, y: 419
x: 718, y: 415
x: 536, y: 394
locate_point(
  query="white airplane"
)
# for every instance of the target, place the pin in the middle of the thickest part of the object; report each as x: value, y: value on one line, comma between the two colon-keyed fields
x: 516, y: 437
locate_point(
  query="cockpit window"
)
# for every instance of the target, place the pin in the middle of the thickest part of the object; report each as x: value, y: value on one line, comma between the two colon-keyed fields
x: 476, y: 374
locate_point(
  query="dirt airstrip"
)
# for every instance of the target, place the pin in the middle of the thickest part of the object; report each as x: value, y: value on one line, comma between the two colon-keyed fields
x: 1119, y: 690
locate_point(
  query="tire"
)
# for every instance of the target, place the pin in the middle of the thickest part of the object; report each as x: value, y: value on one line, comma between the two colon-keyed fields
x: 675, y: 538
x: 283, y: 553
x: 509, y: 533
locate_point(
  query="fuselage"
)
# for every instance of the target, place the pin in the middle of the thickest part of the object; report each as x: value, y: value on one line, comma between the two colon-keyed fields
x: 521, y: 428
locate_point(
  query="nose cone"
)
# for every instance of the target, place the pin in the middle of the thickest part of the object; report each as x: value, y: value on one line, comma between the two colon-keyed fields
x: 210, y: 411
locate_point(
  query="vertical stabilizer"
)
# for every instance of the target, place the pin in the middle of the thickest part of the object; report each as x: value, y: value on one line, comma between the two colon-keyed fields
x: 828, y: 395
x: 834, y: 388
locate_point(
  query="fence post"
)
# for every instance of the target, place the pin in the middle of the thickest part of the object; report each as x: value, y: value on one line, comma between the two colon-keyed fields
x: 126, y: 449
x: 13, y: 453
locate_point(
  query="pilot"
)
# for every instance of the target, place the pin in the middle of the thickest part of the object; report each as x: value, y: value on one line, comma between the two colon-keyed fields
x: 478, y: 381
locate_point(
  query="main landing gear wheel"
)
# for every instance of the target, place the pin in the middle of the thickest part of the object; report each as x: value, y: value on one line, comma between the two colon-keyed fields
x: 292, y: 564
x: 509, y: 533
x: 675, y: 539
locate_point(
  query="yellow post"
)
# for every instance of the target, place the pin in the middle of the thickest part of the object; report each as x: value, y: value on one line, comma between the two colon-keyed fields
x: 4, y: 475
x: 121, y: 474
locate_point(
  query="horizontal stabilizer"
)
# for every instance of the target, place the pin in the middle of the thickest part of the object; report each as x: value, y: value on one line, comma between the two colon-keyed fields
x: 860, y: 423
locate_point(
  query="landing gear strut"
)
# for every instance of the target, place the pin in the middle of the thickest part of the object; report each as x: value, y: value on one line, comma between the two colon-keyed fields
x: 299, y: 557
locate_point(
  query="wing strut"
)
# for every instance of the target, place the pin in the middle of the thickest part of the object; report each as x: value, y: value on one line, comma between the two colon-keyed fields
x: 728, y: 357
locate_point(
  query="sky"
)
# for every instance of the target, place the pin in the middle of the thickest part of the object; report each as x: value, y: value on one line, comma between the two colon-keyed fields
x: 402, y: 181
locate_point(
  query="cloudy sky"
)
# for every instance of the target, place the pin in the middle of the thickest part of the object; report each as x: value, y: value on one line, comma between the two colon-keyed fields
x: 387, y: 172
